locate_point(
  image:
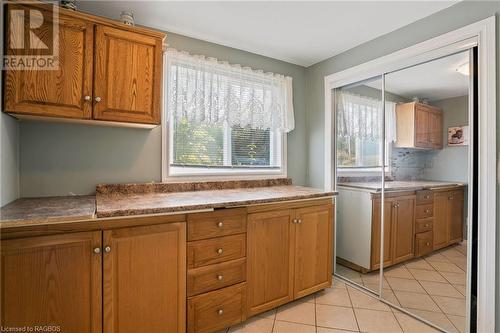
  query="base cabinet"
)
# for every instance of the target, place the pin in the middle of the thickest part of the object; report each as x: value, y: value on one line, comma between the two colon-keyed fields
x: 448, y: 218
x: 52, y: 281
x: 399, y: 214
x: 144, y: 279
x: 289, y: 255
x: 121, y: 280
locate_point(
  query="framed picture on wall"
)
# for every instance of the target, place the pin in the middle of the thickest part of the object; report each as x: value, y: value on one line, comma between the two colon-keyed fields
x: 458, y: 136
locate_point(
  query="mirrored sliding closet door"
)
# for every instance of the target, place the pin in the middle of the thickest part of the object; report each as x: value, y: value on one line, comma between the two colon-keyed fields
x: 359, y: 170
x: 404, y: 147
x: 426, y: 201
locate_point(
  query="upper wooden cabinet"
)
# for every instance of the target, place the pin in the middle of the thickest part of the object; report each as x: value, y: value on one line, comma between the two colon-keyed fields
x: 419, y: 126
x: 128, y: 73
x: 290, y: 254
x: 108, y: 72
x: 52, y: 281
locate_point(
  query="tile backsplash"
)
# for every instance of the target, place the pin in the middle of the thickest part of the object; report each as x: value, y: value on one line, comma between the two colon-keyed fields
x: 408, y: 164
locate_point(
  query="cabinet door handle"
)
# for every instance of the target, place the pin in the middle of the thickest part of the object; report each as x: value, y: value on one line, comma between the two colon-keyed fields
x: 219, y: 277
x: 97, y: 250
x: 294, y: 221
x: 87, y: 98
x: 107, y: 249
x: 220, y: 312
x: 220, y: 224
x: 427, y: 210
x: 219, y: 251
x: 299, y: 221
x: 97, y: 99
x: 428, y: 244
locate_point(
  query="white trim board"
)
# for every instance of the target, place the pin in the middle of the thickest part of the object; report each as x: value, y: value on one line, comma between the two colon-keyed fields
x: 482, y: 35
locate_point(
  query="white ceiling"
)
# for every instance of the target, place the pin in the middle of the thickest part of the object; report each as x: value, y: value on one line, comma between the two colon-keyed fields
x: 433, y: 80
x: 300, y: 32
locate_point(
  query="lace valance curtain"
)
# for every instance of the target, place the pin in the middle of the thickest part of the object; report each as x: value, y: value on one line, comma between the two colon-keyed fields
x: 205, y: 90
x: 361, y: 117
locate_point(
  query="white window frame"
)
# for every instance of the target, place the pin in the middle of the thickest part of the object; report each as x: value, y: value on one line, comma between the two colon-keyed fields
x: 209, y: 174
x: 482, y: 35
x: 368, y: 171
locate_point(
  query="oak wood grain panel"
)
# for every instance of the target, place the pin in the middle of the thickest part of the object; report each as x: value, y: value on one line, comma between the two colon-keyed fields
x: 145, y: 279
x: 436, y: 129
x: 425, y: 197
x: 423, y: 211
x: 440, y: 226
x: 215, y: 250
x: 423, y: 243
x: 213, y: 277
x: 313, y: 249
x: 270, y: 270
x: 52, y: 280
x: 60, y: 92
x: 128, y: 76
x: 216, y: 310
x: 402, y: 229
x: 222, y: 222
x: 422, y: 128
x: 376, y: 232
x: 422, y: 225
x: 456, y: 216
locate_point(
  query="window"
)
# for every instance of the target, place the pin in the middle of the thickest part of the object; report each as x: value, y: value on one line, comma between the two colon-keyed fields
x: 224, y: 120
x: 359, y: 133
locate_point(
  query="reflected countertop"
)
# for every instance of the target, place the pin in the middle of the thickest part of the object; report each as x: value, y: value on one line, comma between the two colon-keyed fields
x: 413, y: 185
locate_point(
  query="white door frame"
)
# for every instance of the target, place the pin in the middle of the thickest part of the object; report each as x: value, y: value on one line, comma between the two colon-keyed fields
x: 482, y: 35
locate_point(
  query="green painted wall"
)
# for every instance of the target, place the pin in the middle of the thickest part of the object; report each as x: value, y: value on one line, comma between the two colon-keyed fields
x: 58, y: 159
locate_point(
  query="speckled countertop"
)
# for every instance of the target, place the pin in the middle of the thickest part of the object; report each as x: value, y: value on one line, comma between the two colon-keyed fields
x: 118, y: 204
x: 155, y: 198
x: 400, y: 185
x: 27, y: 211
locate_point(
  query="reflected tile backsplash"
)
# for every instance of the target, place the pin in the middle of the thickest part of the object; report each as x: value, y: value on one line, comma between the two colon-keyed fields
x: 408, y: 164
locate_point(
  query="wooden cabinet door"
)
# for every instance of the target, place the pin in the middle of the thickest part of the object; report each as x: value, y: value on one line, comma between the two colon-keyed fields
x: 270, y: 258
x: 376, y: 233
x: 60, y: 92
x: 440, y: 227
x: 313, y: 249
x: 436, y: 129
x: 128, y: 74
x: 402, y: 229
x: 52, y: 281
x: 421, y: 128
x: 455, y: 215
x: 145, y: 279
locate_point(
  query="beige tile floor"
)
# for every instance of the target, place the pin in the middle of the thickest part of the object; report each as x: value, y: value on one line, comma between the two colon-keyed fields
x: 340, y: 309
x: 432, y: 295
x: 432, y: 287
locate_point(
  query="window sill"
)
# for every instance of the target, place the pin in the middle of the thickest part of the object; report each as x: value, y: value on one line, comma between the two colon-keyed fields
x: 207, y: 174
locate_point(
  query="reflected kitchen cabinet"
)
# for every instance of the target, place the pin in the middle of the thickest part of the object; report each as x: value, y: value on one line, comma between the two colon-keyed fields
x: 419, y: 126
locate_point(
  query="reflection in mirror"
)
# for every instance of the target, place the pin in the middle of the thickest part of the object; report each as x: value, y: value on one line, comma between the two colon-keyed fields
x: 425, y: 259
x: 359, y: 142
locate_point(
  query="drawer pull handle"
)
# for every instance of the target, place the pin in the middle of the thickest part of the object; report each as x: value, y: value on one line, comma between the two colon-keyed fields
x: 427, y: 210
x: 220, y: 224
x: 220, y: 312
x: 427, y: 243
x: 427, y: 197
x: 450, y: 197
x: 219, y: 251
x: 97, y: 250
x: 219, y: 277
x: 427, y: 225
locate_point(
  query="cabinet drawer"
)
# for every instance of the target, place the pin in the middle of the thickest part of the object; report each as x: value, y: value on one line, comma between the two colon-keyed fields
x: 422, y: 225
x: 208, y: 278
x: 423, y: 243
x: 425, y: 197
x: 215, y: 224
x: 215, y: 250
x: 216, y: 310
x: 425, y: 211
